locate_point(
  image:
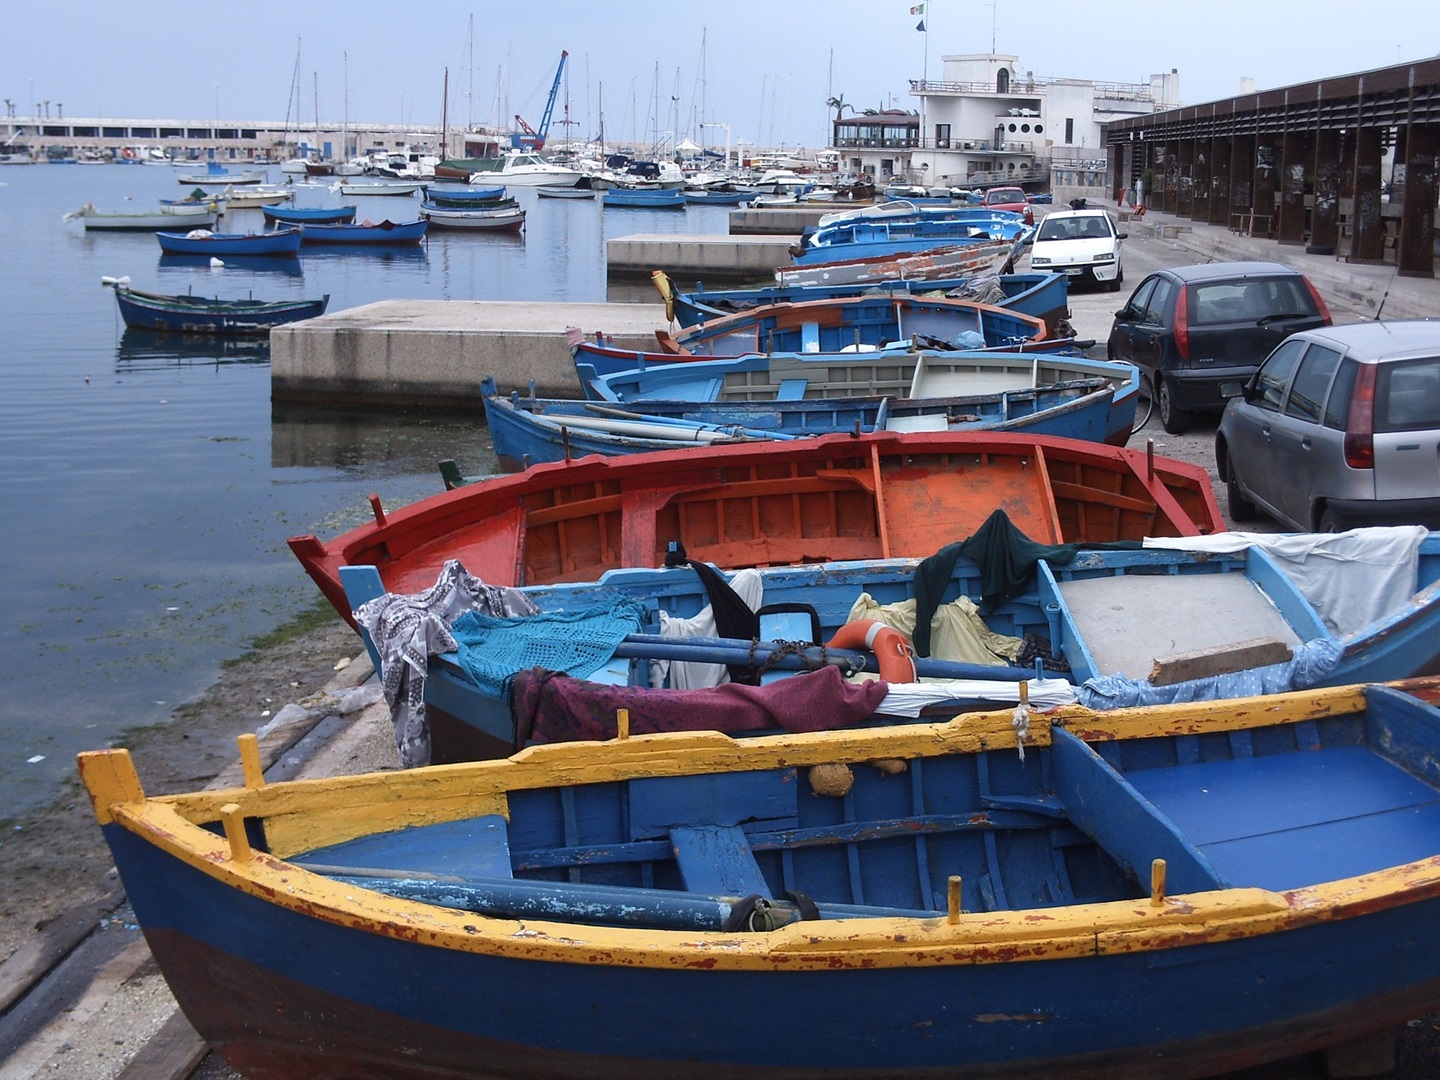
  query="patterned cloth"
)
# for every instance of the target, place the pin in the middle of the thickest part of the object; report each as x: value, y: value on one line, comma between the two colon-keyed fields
x: 492, y: 649
x: 407, y: 629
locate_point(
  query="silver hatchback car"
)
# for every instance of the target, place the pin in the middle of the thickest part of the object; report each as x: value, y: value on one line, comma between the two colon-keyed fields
x: 1338, y: 428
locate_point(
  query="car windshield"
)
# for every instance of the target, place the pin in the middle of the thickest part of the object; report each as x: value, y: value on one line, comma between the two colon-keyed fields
x: 1004, y: 195
x: 1072, y: 229
x: 1251, y: 301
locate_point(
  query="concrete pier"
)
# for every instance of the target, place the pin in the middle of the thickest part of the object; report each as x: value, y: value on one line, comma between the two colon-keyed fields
x: 708, y: 257
x: 436, y: 352
x: 783, y: 220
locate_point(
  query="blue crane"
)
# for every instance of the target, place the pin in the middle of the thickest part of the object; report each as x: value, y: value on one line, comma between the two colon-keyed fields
x: 528, y: 138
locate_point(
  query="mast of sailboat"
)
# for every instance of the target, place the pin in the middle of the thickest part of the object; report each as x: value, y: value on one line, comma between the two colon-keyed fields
x: 445, y: 117
x: 317, y: 112
x: 345, y: 119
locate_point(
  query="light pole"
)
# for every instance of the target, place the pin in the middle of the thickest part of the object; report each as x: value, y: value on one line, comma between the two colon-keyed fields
x: 217, y: 103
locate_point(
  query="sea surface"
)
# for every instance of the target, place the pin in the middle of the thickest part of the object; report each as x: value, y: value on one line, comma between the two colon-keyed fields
x: 147, y: 487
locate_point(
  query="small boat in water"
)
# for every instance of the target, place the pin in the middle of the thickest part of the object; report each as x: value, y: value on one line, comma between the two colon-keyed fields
x: 215, y: 173
x: 500, y: 219
x: 189, y: 314
x: 1179, y: 891
x: 463, y: 196
x: 283, y: 241
x: 581, y: 189
x: 381, y: 187
x: 259, y: 195
x: 836, y: 497
x: 365, y: 232
x: 173, y: 216
x: 310, y: 215
x: 644, y: 198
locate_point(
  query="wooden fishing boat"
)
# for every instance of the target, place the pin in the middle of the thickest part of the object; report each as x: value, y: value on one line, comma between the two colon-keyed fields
x: 257, y: 196
x: 499, y: 219
x: 837, y: 497
x: 188, y: 314
x: 863, y: 233
x: 832, y: 328
x: 310, y: 215
x: 174, y: 216
x: 1179, y: 891
x: 952, y: 260
x: 382, y: 187
x: 644, y: 198
x: 716, y: 197
x: 527, y: 430
x: 365, y: 232
x: 283, y: 241
x: 216, y: 174
x: 463, y: 195
x: 565, y: 191
x: 1186, y: 625
x: 1042, y: 295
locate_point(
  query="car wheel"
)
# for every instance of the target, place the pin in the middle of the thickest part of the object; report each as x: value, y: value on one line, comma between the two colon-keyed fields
x: 1240, y: 507
x: 1174, y: 419
x: 1117, y: 280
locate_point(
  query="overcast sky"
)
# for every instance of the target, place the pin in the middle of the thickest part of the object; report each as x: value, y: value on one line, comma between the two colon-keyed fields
x: 764, y: 67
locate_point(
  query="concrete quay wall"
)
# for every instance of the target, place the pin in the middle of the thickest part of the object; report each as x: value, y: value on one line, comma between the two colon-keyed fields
x: 707, y: 256
x: 437, y: 352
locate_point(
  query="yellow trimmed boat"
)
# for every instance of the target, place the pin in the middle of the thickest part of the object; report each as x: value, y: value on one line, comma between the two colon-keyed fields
x: 1177, y: 890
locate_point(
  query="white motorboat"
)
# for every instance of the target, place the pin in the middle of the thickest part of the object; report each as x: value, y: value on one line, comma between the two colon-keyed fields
x: 522, y: 168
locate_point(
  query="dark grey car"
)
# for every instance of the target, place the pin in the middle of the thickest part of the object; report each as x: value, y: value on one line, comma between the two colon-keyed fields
x: 1339, y: 428
x: 1190, y: 328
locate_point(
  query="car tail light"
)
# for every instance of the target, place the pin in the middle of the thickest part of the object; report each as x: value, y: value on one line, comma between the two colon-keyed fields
x: 1182, y: 323
x: 1319, y: 303
x: 1360, y: 423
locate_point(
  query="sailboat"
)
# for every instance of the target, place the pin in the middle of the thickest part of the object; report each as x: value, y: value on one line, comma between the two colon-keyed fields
x: 322, y: 165
x: 350, y: 165
x: 294, y: 165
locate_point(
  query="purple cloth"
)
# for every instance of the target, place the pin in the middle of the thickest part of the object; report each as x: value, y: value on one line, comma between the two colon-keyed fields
x: 549, y: 707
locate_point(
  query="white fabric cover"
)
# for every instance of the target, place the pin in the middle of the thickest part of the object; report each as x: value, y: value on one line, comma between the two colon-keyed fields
x: 684, y: 675
x: 1350, y: 578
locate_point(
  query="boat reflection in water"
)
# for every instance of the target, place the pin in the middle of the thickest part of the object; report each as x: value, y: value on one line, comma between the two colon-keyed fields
x: 407, y: 254
x: 150, y: 350
x: 284, y: 266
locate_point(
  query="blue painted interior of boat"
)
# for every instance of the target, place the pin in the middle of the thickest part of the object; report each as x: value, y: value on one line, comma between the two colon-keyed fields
x: 1275, y: 807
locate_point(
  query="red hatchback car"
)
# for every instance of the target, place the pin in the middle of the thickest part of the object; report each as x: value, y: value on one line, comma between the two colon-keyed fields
x: 1009, y: 198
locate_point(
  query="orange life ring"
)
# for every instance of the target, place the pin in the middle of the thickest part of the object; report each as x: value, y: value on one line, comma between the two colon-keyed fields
x: 892, y: 651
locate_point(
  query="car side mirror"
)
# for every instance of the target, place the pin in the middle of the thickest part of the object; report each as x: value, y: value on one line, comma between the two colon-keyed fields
x: 1232, y: 390
x: 1121, y: 236
x: 1124, y: 314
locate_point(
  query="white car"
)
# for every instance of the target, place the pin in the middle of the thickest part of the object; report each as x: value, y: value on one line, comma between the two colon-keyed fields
x: 1079, y: 243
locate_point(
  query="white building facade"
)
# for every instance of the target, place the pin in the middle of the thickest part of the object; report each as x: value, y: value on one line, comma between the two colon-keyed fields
x: 987, y: 120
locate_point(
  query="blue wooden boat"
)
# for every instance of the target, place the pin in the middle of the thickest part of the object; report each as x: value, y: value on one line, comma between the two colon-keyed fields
x: 712, y: 197
x: 867, y: 233
x: 1044, y: 296
x: 461, y: 195
x: 833, y: 328
x: 283, y: 241
x: 1157, y: 608
x: 189, y: 314
x: 367, y: 233
x: 527, y: 430
x: 1180, y: 891
x: 310, y: 215
x: 644, y: 198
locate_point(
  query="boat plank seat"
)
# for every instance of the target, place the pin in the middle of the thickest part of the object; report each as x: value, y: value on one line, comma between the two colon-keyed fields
x: 1105, y: 806
x: 717, y: 859
x: 702, y: 822
x: 477, y: 847
x: 791, y: 390
x: 1269, y: 820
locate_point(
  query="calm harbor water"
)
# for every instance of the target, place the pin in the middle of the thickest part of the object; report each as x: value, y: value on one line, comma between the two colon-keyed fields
x: 148, y: 487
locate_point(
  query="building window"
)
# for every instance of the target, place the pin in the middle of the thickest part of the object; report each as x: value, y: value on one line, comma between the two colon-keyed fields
x: 1002, y: 81
x: 887, y: 167
x: 1069, y: 131
x: 1025, y: 128
x: 1012, y: 129
x: 942, y: 135
x: 1038, y: 129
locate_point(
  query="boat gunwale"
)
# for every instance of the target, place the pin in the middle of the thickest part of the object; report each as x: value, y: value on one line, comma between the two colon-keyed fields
x: 172, y: 824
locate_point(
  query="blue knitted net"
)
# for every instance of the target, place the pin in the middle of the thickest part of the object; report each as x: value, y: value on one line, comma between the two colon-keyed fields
x: 492, y: 650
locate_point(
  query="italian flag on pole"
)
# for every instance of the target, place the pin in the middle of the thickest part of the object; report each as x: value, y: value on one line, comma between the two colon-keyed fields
x: 919, y: 9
